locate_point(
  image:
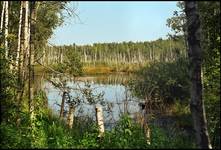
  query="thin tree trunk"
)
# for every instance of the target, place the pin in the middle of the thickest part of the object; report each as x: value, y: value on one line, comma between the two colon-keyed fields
x: 31, y: 58
x: 26, y: 41
x: 18, y: 57
x: 62, y: 53
x: 85, y: 56
x: 195, y: 58
x: 25, y: 50
x: 70, y: 118
x: 20, y: 60
x: 100, y: 120
x: 6, y: 29
x: 62, y: 105
x: 19, y: 36
x: 145, y: 125
x: 22, y: 39
x: 2, y: 16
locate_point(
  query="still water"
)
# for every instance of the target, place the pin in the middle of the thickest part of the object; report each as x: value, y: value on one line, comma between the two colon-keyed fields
x: 118, y: 99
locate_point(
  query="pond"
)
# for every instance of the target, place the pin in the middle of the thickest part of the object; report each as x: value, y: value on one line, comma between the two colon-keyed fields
x: 118, y: 99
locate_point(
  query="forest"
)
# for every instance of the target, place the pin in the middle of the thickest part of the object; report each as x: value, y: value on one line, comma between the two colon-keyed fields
x: 120, y: 57
x: 163, y: 93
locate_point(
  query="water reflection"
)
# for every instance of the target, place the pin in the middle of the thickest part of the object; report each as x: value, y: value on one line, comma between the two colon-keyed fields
x: 117, y: 97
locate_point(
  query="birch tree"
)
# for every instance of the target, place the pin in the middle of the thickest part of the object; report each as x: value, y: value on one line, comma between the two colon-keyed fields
x: 6, y: 29
x: 195, y: 58
x: 4, y: 21
x: 19, y: 36
x: 31, y: 56
x: 70, y: 117
x: 22, y: 51
x: 2, y: 16
x: 26, y: 35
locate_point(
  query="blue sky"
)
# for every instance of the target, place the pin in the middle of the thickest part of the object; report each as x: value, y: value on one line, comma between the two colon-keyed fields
x: 115, y: 22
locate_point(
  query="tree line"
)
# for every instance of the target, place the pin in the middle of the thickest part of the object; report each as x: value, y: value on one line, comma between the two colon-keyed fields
x: 122, y: 53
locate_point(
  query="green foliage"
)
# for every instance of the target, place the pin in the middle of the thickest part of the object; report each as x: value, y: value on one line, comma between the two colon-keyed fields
x: 180, y: 108
x: 7, y: 82
x: 166, y: 81
x: 58, y: 137
x: 172, y: 138
x: 89, y: 139
x: 44, y: 131
x: 8, y: 129
x: 210, y: 24
x: 91, y: 97
x: 125, y: 134
x: 178, y: 22
x: 120, y: 56
x: 71, y: 64
x: 128, y: 134
x: 50, y: 132
x: 49, y: 16
x: 210, y: 41
x: 13, y: 136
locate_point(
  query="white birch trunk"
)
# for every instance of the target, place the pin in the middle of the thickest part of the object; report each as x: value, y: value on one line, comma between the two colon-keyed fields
x: 19, y: 36
x: 6, y: 29
x: 26, y: 36
x: 2, y: 15
x: 100, y: 120
x: 26, y: 28
x: 70, y: 118
x: 32, y: 26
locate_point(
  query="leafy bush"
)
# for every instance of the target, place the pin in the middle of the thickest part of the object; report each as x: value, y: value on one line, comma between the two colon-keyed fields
x: 72, y: 64
x: 50, y: 132
x: 168, y: 81
x: 170, y: 138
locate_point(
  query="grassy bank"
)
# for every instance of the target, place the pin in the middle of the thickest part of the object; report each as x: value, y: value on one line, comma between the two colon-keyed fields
x: 103, y: 68
x: 110, y: 69
x: 98, y: 68
x: 51, y: 132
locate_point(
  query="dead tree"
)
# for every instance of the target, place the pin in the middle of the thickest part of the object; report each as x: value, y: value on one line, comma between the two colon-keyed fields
x: 100, y: 120
x: 62, y: 105
x: 70, y: 117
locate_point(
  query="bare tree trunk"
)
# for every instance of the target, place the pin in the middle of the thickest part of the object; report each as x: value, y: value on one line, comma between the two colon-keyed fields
x: 70, y: 118
x: 31, y: 58
x: 21, y: 59
x: 2, y: 16
x: 62, y: 105
x: 126, y: 102
x: 6, y: 29
x: 85, y: 56
x: 195, y: 58
x: 26, y: 40
x: 62, y: 53
x: 145, y: 125
x: 100, y: 120
x: 24, y: 51
x: 18, y: 65
x: 19, y: 36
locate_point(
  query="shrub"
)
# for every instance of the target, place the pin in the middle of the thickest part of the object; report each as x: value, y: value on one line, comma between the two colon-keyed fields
x: 168, y: 81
